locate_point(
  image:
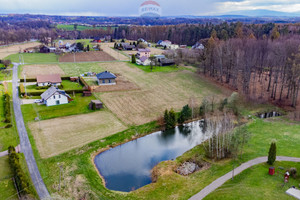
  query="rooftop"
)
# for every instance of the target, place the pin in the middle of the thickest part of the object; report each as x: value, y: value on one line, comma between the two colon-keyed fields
x: 51, y: 78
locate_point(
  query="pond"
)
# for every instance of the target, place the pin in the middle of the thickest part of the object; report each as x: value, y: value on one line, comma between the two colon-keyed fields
x: 128, y: 167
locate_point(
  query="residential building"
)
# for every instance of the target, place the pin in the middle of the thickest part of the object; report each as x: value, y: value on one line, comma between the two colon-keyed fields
x: 54, y: 96
x: 106, y: 78
x: 48, y: 80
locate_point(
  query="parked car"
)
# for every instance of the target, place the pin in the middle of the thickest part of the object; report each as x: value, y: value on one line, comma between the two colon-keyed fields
x: 38, y: 101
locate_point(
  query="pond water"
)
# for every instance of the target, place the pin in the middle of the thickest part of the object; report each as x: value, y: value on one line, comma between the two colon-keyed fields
x: 128, y: 167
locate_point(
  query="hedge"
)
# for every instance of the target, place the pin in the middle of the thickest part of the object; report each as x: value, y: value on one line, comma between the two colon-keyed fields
x: 34, y: 79
x: 7, y: 111
x: 67, y: 91
x: 20, y: 178
x: 22, y: 89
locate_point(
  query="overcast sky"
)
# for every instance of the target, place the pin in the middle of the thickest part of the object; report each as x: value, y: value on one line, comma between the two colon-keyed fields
x: 130, y: 7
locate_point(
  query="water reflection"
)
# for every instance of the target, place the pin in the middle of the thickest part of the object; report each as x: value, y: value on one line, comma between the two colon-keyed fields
x: 128, y: 166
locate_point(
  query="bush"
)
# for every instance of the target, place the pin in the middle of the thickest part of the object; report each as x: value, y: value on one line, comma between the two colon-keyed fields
x: 7, y: 111
x: 8, y: 126
x: 293, y: 172
x: 22, y: 89
x: 133, y: 60
x: 272, y: 154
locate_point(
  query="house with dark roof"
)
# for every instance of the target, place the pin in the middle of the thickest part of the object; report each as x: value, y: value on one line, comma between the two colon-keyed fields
x: 166, y: 62
x: 48, y: 80
x: 106, y: 78
x: 54, y: 96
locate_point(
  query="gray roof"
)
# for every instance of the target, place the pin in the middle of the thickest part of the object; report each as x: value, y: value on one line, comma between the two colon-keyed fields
x: 144, y: 50
x: 106, y: 75
x: 52, y: 90
x: 143, y: 58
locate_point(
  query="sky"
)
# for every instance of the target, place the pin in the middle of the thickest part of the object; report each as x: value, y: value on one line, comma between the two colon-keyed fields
x: 130, y: 7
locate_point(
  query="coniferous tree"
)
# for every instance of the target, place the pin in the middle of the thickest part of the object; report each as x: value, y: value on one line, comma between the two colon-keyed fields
x: 272, y: 154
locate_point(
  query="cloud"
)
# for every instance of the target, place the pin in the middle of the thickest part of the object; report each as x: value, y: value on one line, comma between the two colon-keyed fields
x: 130, y: 7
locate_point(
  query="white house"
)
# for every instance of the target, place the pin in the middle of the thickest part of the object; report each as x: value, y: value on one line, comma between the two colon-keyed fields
x: 54, y: 96
x: 143, y: 61
x: 173, y: 46
x: 166, y: 43
x: 48, y: 79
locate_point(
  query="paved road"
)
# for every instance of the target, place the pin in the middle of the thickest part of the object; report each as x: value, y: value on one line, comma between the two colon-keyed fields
x: 220, y: 181
x: 26, y: 148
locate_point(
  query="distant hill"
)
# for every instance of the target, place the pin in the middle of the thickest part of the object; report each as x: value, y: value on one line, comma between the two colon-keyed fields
x: 264, y: 13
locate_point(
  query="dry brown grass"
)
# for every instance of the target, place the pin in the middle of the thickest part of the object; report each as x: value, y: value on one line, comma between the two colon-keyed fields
x: 159, y: 91
x: 122, y: 85
x: 31, y: 71
x: 6, y: 51
x: 59, y: 135
x: 118, y: 56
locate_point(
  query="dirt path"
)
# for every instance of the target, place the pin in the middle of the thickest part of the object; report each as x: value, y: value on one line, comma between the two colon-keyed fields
x: 118, y: 56
x: 220, y: 181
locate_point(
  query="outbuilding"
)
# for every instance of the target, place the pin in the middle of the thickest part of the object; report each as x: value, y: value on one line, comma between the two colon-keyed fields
x: 95, y: 105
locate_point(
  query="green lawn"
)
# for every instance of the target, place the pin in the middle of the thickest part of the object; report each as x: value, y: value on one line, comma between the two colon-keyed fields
x: 78, y: 106
x: 75, y: 69
x: 6, y: 74
x: 35, y: 58
x: 67, y: 85
x: 171, y: 185
x: 159, y: 69
x: 256, y: 183
x: 79, y: 27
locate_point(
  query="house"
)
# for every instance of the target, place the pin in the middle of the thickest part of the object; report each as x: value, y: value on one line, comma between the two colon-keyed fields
x: 95, y: 105
x: 54, y: 96
x: 49, y: 79
x: 158, y: 57
x: 173, y: 46
x: 106, y: 78
x: 127, y: 47
x: 166, y: 62
x: 143, y: 52
x: 166, y: 43
x: 143, y: 61
x: 198, y: 45
x: 46, y: 49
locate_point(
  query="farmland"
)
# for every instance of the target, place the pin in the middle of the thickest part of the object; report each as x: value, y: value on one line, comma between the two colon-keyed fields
x: 31, y: 71
x: 91, y: 56
x: 159, y: 91
x: 70, y: 27
x: 6, y: 51
x: 52, y: 135
x: 35, y: 58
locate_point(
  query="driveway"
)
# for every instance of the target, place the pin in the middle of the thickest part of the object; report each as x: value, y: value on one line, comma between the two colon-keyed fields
x: 28, y: 101
x: 26, y: 148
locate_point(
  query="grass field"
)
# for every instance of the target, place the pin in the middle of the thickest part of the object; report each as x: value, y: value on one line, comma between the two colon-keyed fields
x: 67, y: 85
x: 59, y: 135
x: 75, y: 69
x: 79, y: 27
x: 7, y: 188
x: 159, y: 91
x: 78, y: 106
x: 31, y: 71
x: 256, y: 183
x: 35, y: 58
x: 159, y: 68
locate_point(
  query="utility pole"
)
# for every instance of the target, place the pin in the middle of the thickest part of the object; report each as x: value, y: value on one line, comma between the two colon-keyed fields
x: 25, y: 84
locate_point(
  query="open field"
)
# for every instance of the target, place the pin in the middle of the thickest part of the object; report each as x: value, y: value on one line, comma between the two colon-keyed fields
x: 107, y: 47
x: 31, y: 71
x: 75, y: 69
x: 59, y: 135
x: 159, y: 91
x: 6, y: 51
x: 35, y: 58
x: 122, y: 85
x: 256, y: 183
x: 91, y: 56
x: 70, y: 27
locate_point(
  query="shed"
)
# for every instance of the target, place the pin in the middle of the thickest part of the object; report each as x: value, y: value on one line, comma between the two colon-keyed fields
x: 95, y: 105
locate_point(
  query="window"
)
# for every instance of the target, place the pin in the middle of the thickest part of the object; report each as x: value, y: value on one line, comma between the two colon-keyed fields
x: 109, y: 81
x: 53, y: 96
x: 103, y: 81
x: 59, y: 96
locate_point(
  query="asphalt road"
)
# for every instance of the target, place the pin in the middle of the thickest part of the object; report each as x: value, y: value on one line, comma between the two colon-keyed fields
x: 220, y: 181
x: 26, y: 148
